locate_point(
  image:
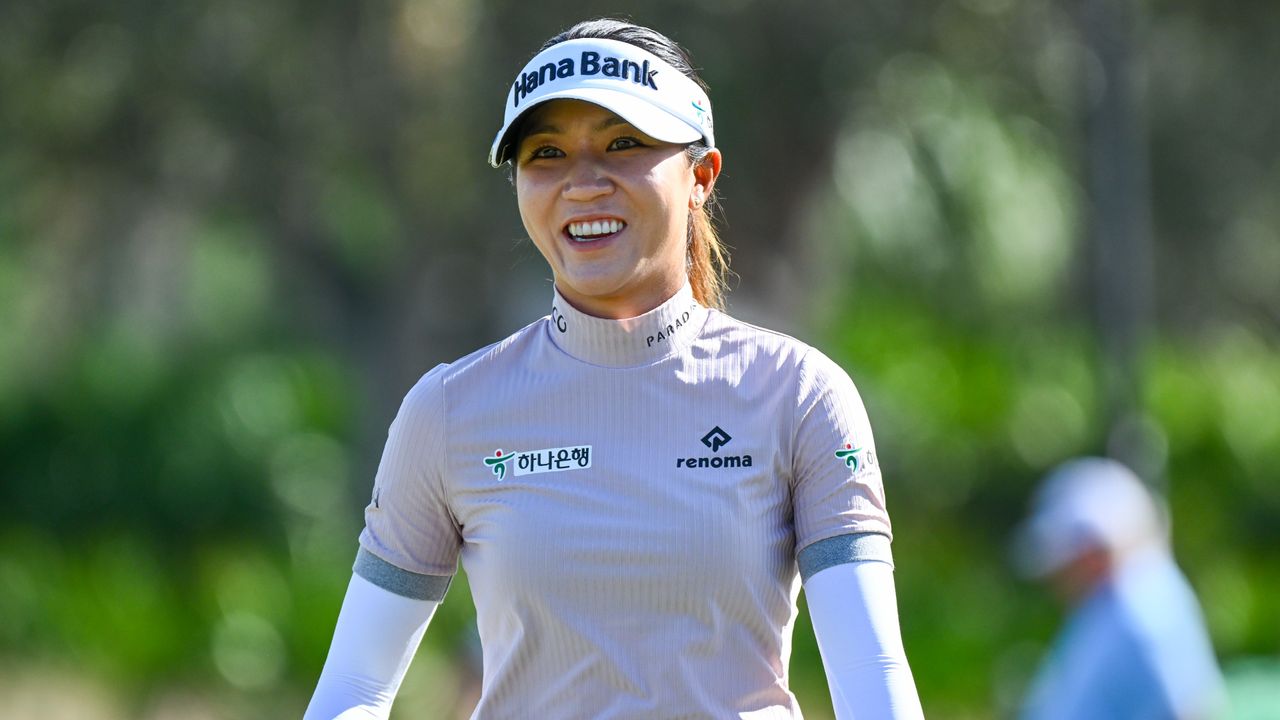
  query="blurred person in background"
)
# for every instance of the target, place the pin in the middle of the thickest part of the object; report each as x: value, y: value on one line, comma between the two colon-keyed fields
x: 1135, y: 644
x: 636, y: 484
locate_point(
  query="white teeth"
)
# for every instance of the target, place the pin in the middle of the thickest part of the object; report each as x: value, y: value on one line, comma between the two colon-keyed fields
x: 595, y: 228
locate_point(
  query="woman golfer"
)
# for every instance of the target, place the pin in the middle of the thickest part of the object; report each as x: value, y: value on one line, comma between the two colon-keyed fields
x: 637, y: 484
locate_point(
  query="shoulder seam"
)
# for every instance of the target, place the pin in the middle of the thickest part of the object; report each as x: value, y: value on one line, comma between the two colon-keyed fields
x: 799, y: 369
x: 765, y: 330
x: 446, y: 487
x: 796, y: 423
x: 467, y: 360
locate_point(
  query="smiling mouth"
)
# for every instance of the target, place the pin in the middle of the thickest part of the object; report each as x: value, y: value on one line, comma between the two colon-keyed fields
x: 592, y: 230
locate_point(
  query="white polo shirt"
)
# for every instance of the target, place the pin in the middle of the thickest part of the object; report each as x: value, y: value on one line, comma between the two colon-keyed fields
x: 629, y: 499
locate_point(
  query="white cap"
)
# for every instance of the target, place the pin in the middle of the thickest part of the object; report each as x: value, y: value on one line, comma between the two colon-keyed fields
x: 1083, y: 504
x: 659, y: 100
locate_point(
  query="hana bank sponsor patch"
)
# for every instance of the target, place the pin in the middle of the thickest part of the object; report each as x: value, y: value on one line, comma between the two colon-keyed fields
x: 532, y: 462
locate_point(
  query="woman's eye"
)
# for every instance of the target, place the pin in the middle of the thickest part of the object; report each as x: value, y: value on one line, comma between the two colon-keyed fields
x: 546, y: 151
x: 624, y: 143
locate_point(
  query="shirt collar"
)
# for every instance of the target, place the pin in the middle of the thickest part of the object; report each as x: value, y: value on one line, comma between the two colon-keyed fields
x: 631, y: 342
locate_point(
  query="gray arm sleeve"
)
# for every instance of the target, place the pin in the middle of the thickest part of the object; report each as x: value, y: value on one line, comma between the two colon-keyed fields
x: 843, y: 549
x: 404, y: 583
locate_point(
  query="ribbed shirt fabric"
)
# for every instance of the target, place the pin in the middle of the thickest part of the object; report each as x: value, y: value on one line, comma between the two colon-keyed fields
x: 628, y: 499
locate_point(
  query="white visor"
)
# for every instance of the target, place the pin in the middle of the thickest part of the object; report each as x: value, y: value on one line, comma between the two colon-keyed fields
x: 659, y: 100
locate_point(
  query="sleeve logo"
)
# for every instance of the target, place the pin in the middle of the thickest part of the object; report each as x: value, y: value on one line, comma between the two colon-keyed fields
x: 854, y: 458
x: 533, y: 462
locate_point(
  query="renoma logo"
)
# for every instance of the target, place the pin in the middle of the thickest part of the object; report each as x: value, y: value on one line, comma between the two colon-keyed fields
x: 533, y: 462
x: 715, y: 439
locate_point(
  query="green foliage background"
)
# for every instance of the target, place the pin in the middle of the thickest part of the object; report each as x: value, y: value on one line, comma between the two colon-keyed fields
x: 233, y: 233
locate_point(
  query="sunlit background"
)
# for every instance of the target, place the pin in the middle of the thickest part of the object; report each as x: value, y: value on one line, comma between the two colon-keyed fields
x: 233, y: 233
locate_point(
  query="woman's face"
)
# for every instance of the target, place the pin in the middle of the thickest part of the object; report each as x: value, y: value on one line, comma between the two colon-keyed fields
x: 608, y: 206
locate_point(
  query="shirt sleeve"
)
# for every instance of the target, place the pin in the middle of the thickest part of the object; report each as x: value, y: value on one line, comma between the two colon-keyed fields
x: 837, y: 490
x: 411, y: 540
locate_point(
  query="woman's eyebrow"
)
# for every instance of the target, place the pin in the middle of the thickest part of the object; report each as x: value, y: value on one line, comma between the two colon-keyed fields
x: 543, y: 130
x: 610, y: 122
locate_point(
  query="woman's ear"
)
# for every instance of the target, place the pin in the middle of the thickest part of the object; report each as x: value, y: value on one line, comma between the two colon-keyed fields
x: 704, y: 178
x: 698, y: 197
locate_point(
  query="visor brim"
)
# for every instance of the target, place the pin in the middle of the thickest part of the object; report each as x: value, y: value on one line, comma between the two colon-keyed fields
x: 644, y: 115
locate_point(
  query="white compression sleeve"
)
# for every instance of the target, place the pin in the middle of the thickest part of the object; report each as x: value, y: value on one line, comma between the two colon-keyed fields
x: 375, y: 639
x: 855, y: 617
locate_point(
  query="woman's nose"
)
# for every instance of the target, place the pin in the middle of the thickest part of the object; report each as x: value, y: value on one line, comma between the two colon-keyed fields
x: 586, y: 182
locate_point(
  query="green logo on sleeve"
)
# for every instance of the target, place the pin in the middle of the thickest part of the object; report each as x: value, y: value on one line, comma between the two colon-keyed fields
x: 849, y: 454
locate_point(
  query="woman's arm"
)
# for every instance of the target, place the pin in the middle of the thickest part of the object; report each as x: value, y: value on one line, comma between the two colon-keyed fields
x: 855, y: 617
x: 376, y: 637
